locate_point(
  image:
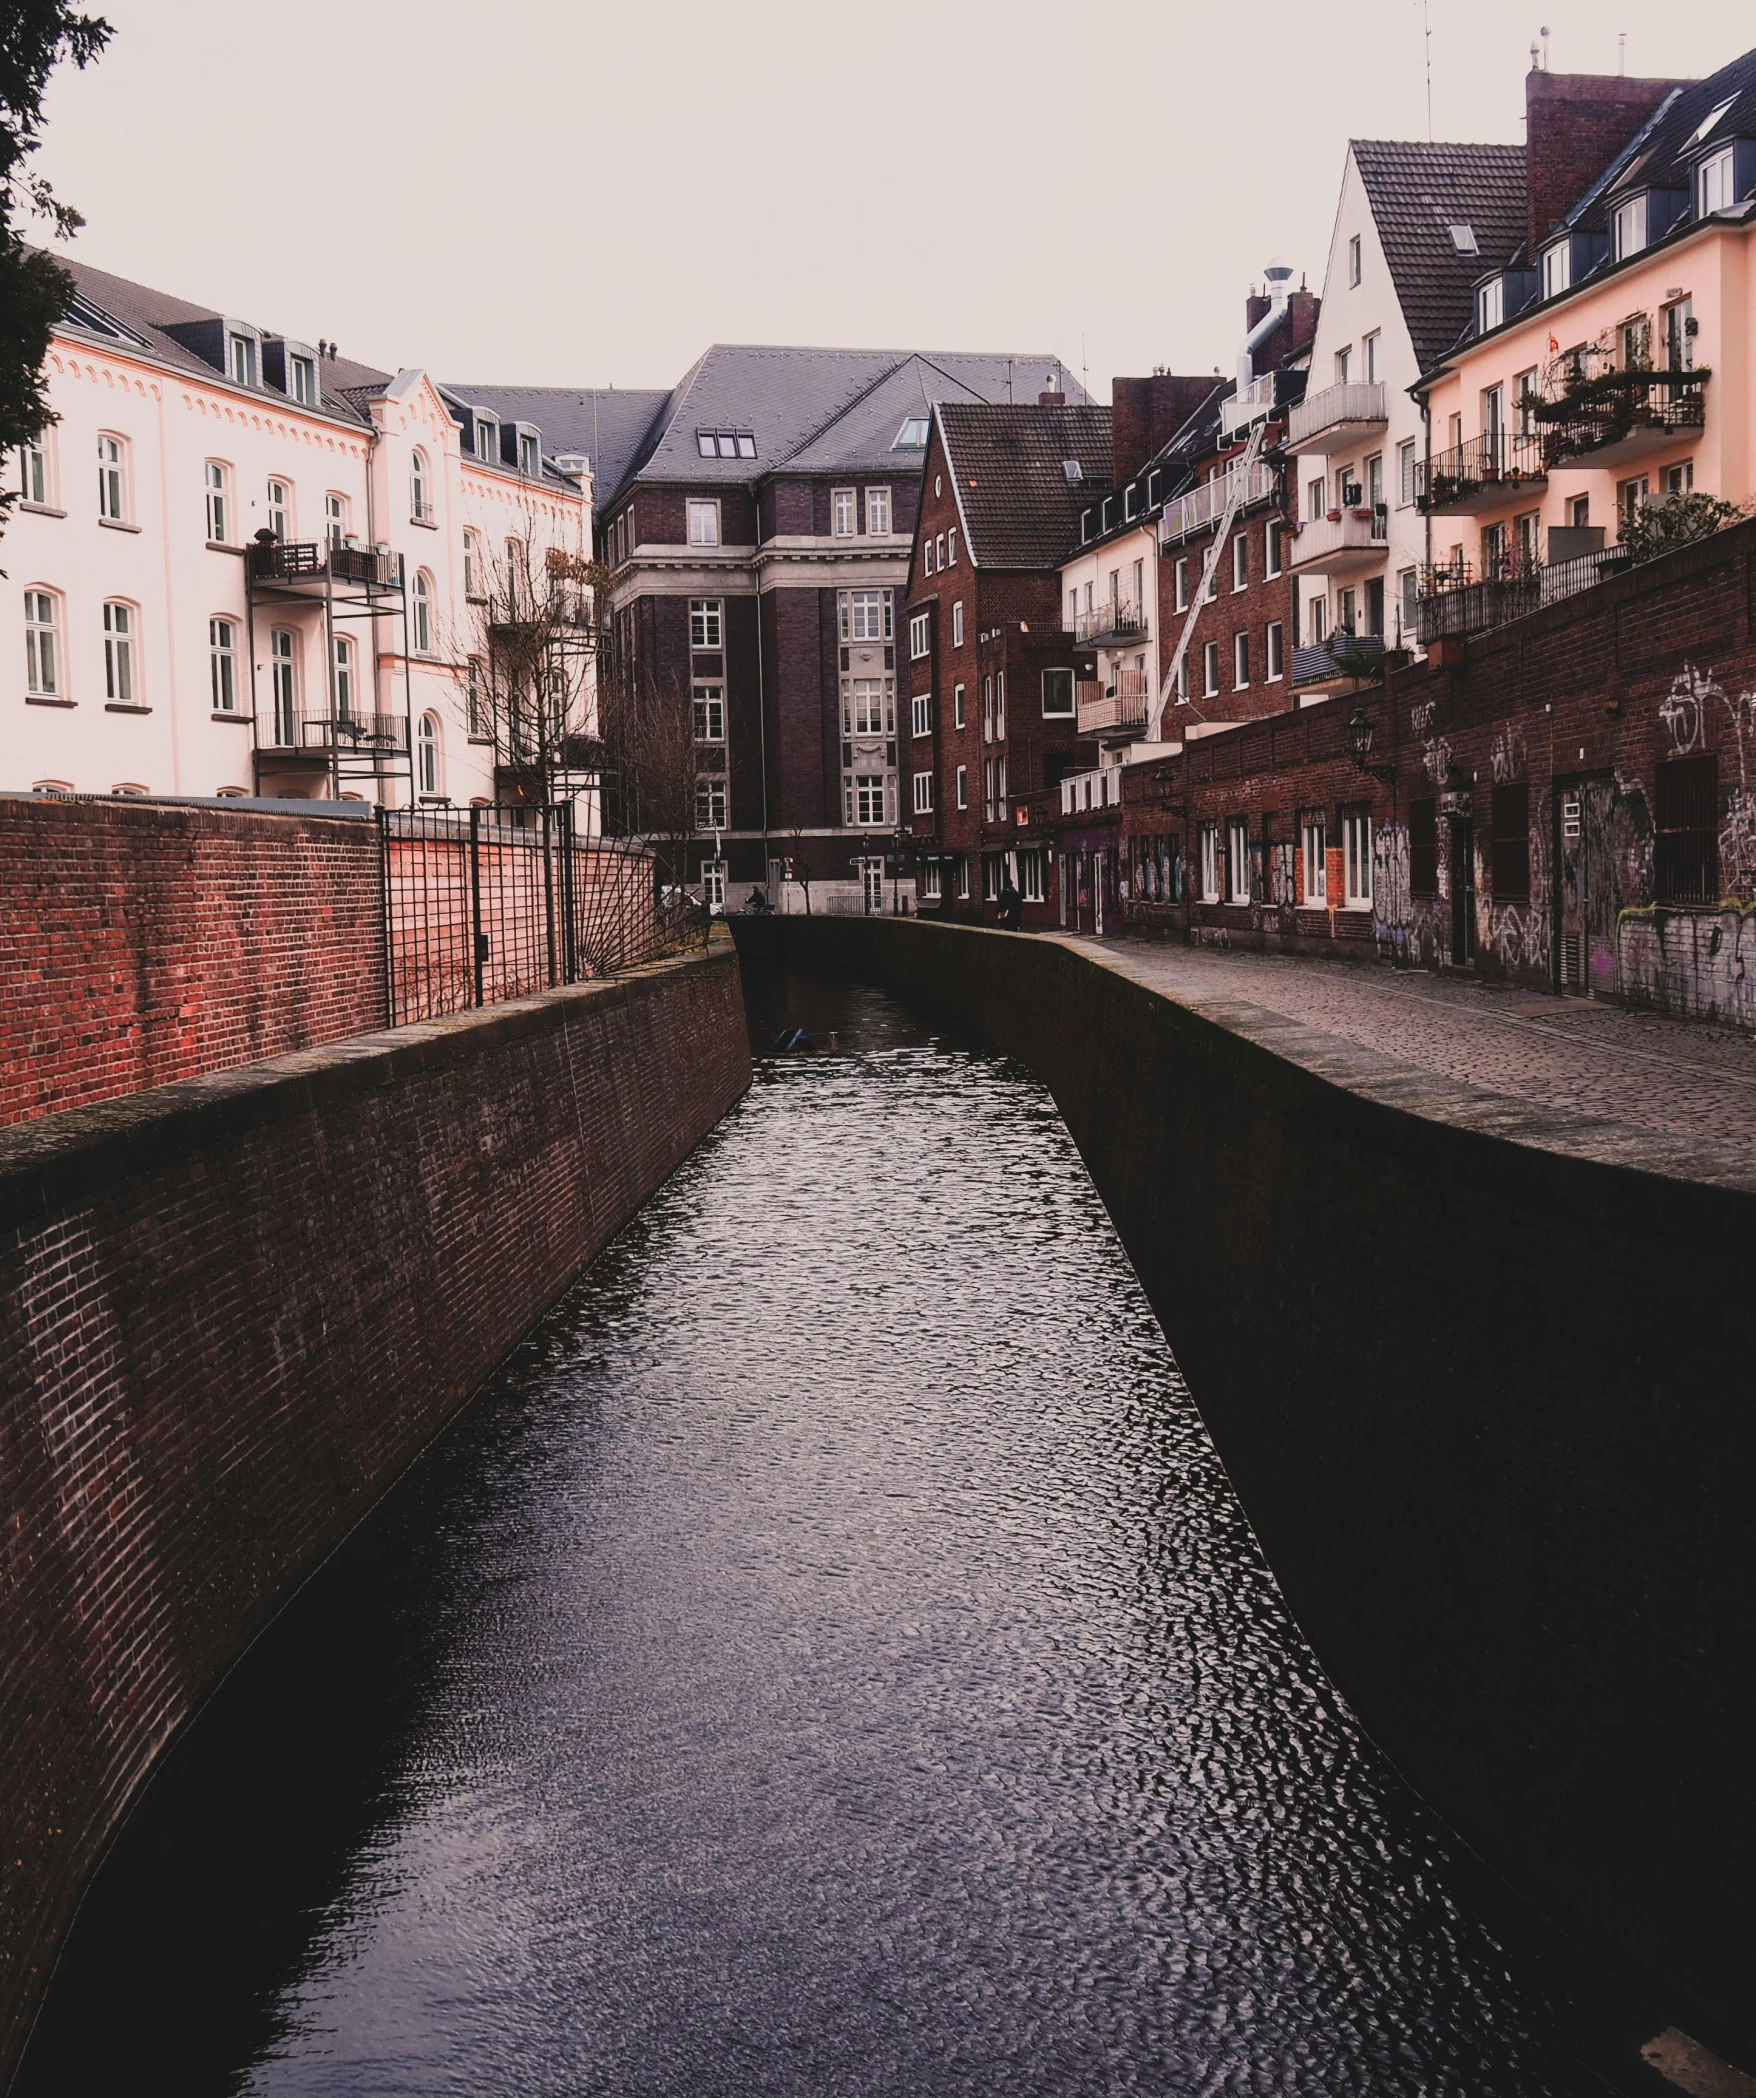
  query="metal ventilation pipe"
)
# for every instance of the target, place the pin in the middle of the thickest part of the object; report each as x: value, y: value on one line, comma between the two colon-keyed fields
x: 1277, y: 277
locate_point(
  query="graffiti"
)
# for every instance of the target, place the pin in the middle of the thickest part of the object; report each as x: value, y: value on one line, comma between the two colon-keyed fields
x: 1737, y: 844
x: 1685, y: 710
x: 1283, y: 878
x: 1680, y: 711
x: 1508, y: 754
x: 1390, y: 887
x: 1693, y: 965
x: 1421, y: 719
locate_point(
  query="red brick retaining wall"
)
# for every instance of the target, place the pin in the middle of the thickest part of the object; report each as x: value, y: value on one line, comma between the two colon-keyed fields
x: 232, y: 1310
x: 142, y: 942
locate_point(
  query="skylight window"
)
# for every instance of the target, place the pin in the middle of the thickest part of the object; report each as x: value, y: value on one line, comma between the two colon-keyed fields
x: 913, y: 432
x: 725, y: 444
x: 1463, y: 239
x: 1707, y: 123
x: 83, y: 314
x: 1073, y: 470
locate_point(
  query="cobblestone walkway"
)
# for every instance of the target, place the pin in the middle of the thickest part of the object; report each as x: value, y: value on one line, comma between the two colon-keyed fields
x: 1569, y: 1074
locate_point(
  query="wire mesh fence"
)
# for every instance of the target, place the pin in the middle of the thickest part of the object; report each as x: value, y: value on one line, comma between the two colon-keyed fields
x: 485, y: 904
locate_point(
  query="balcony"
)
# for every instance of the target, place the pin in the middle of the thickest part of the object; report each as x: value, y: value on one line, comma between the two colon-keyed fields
x: 1455, y: 602
x: 1336, y: 418
x: 1344, y: 659
x: 1613, y: 416
x: 1117, y: 708
x: 1115, y: 625
x: 1243, y: 408
x: 1202, y: 508
x: 1340, y: 543
x: 302, y: 565
x: 1482, y: 474
x: 1091, y: 790
x: 317, y: 734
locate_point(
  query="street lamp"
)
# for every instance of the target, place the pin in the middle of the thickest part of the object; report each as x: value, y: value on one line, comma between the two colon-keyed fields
x: 1359, y: 743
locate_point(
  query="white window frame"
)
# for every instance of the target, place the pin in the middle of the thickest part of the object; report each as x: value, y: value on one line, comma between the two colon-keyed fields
x: 1356, y: 846
x: 1237, y: 859
x: 35, y: 472
x: 1355, y: 259
x: 865, y: 615
x: 708, y: 706
x: 870, y: 707
x: 216, y: 477
x: 844, y: 513
x: 423, y: 613
x: 1405, y: 473
x: 869, y: 800
x: 957, y: 624
x: 920, y: 636
x: 1208, y: 838
x: 241, y: 360
x: 921, y: 714
x: 1241, y: 660
x: 1372, y: 347
x: 1180, y: 584
x: 1273, y: 550
x: 957, y: 707
x: 1628, y: 227
x: 420, y: 506
x: 304, y: 376
x: 1240, y: 563
x: 113, y: 477
x: 283, y: 685
x: 1313, y: 838
x: 1274, y: 639
x: 429, y: 768
x: 121, y: 666
x: 961, y: 782
x: 222, y: 663
x: 42, y: 643
x: 930, y: 881
x: 712, y: 808
x: 337, y: 516
x: 1557, y: 268
x: 1210, y: 669
x: 487, y: 442
x: 1715, y: 183
x: 951, y: 547
x: 707, y: 623
x: 923, y: 795
x: 1071, y: 709
x: 703, y: 520
x: 344, y: 673
x: 279, y: 506
x: 878, y: 512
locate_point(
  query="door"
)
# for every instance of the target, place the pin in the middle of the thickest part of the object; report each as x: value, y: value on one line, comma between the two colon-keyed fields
x: 872, y: 887
x: 1463, y: 892
x: 1585, y: 944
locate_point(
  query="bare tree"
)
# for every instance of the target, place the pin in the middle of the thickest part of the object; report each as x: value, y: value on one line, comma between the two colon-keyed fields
x: 799, y: 864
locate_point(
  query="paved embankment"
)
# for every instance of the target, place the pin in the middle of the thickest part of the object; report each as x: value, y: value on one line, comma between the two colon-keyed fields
x: 1463, y: 1294
x: 233, y: 1309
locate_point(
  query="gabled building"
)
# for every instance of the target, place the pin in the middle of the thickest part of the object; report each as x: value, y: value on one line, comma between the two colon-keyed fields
x: 989, y: 663
x: 758, y: 520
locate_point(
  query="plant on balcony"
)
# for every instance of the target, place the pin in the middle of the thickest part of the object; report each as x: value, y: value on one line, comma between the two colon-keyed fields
x: 1657, y: 528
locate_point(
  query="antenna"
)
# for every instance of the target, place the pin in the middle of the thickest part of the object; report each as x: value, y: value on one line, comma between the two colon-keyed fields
x: 1621, y: 51
x: 1427, y: 41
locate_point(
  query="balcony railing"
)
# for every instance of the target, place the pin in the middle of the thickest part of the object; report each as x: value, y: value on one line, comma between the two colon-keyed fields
x: 1120, y: 705
x: 1251, y: 404
x: 320, y: 733
x: 1490, y: 469
x: 1345, y: 410
x: 1455, y: 602
x: 1202, y: 508
x: 1616, y: 415
x: 1117, y: 622
x: 1353, y: 539
x: 307, y: 561
x: 1091, y: 790
x: 1340, y: 657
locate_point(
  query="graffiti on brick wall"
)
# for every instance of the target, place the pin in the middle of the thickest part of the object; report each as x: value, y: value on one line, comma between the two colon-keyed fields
x: 1508, y: 756
x: 1435, y: 748
x: 1692, y: 965
x: 1696, y: 698
x: 1518, y: 935
x: 1283, y: 875
x: 1390, y: 889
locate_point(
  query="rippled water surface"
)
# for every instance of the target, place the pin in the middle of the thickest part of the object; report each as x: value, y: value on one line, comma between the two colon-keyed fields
x: 830, y: 1660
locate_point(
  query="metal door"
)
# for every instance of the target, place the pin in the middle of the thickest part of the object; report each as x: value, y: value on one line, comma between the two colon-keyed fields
x: 1463, y: 892
x: 1585, y: 935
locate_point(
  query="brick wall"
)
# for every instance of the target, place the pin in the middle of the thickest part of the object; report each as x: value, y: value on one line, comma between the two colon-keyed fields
x: 232, y: 1311
x: 141, y: 943
x: 1575, y: 125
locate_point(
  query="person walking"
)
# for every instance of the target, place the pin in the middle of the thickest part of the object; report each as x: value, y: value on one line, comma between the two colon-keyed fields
x: 1011, y: 905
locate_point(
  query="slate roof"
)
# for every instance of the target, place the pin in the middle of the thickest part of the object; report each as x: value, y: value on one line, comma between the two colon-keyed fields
x: 1418, y: 192
x: 608, y: 424
x: 1664, y: 154
x: 862, y: 438
x: 1019, y: 508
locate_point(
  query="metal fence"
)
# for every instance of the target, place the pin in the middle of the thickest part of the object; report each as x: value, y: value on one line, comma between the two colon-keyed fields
x: 485, y: 904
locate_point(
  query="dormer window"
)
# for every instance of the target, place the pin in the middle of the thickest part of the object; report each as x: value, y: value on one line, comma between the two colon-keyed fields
x: 1630, y: 227
x: 912, y: 435
x: 725, y: 444
x: 1128, y: 495
x: 1085, y: 524
x: 243, y: 360
x: 1715, y: 187
x: 487, y: 440
x: 529, y: 454
x: 305, y: 381
x: 1557, y: 268
x: 1490, y: 305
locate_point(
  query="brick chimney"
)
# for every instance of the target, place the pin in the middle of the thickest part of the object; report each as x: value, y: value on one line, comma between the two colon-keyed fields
x: 1147, y: 413
x: 1575, y: 125
x: 1051, y: 397
x: 1295, y: 331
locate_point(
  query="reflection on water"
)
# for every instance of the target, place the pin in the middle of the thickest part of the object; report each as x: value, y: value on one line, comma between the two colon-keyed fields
x: 829, y: 1660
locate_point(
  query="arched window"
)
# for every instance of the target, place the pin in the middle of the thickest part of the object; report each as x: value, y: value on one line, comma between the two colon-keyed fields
x: 284, y: 686
x: 514, y: 576
x: 42, y: 645
x: 335, y: 513
x: 51, y: 786
x: 222, y: 664
x: 344, y: 678
x: 427, y: 753
x: 121, y: 683
x: 218, y: 477
x: 280, y: 507
x: 112, y: 479
x: 476, y: 710
x: 420, y: 500
x: 36, y: 470
x: 129, y: 788
x: 423, y: 613
x: 472, y: 565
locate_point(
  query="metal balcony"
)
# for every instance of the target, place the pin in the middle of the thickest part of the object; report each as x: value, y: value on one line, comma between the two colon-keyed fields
x: 301, y: 562
x: 1339, y: 544
x: 1340, y: 660
x: 1244, y: 407
x: 1336, y: 418
x: 318, y: 734
x: 1454, y: 602
x: 1118, y: 707
x: 1202, y: 508
x: 1482, y: 474
x: 1115, y: 625
x: 1618, y: 415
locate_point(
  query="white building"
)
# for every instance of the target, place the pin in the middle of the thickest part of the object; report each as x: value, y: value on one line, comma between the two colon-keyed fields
x: 242, y: 564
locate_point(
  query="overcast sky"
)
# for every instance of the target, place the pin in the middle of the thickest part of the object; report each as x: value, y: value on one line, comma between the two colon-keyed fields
x: 541, y: 193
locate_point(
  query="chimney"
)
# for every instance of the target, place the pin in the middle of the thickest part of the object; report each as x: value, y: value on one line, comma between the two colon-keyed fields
x: 1574, y: 126
x: 1146, y: 414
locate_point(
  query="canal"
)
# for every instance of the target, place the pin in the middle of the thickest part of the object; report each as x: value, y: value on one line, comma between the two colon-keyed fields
x: 829, y: 1659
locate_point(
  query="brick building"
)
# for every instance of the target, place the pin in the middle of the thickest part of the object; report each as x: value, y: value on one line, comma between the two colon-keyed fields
x: 988, y: 667
x: 758, y: 519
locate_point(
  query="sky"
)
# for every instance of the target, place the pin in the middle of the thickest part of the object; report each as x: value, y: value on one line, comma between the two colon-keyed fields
x: 536, y: 193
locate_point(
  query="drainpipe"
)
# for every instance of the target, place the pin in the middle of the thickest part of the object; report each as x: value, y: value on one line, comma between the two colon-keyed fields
x: 1276, y: 276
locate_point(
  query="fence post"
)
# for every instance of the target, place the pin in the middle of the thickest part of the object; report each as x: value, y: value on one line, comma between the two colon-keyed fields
x: 475, y: 895
x: 384, y: 909
x: 549, y: 891
x: 569, y: 937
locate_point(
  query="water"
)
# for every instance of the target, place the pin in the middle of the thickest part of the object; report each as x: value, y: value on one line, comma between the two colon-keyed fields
x: 829, y: 1660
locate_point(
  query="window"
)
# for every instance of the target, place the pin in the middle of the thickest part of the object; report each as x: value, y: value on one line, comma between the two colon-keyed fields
x: 1490, y: 306
x: 710, y: 713
x: 1405, y: 472
x: 423, y: 613
x: 1180, y: 584
x: 1000, y: 708
x: 1407, y: 596
x: 487, y: 440
x: 921, y: 714
x: 1353, y: 259
x: 1579, y: 510
x: 951, y: 548
x: 1072, y: 626
x: 1276, y: 652
x: 1510, y: 861
x: 710, y: 804
x: 1238, y: 860
x: 530, y: 454
x: 957, y: 624
x: 33, y: 471
x: 1317, y: 612
x: 1630, y: 227
x: 472, y: 562
x: 1679, y: 327
x: 1240, y: 661
x: 1210, y: 669
x: 962, y: 785
x: 706, y: 622
x: 1375, y: 482
x: 112, y: 481
x: 119, y: 654
x: 243, y: 360
x: 420, y: 503
x: 927, y: 554
x: 1423, y: 847
x: 427, y: 753
x: 1316, y: 499
x: 1356, y: 850
x: 279, y: 509
x: 1686, y: 811
x: 1463, y: 240
x: 920, y: 643
x: 1057, y: 694
x: 1716, y: 182
x: 871, y: 711
x: 1210, y: 863
x: 878, y: 511
x: 1315, y: 867
x: 703, y: 523
x: 1241, y: 562
x: 869, y: 798
x: 1557, y: 268
x: 923, y: 793
x: 335, y: 518
x: 42, y: 645
x: 913, y: 433
x: 930, y: 881
x: 957, y: 710
x: 842, y: 502
x: 1632, y: 497
x: 939, y: 551
x: 222, y: 664
x: 1343, y: 359
x: 987, y: 710
x: 305, y: 381
x: 865, y: 615
x: 1679, y: 480
x: 283, y: 687
x: 1272, y: 548
x: 475, y: 692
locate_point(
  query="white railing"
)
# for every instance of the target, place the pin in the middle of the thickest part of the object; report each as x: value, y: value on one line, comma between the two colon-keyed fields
x: 1355, y: 402
x: 1201, y: 508
x: 1101, y: 789
x: 1354, y: 532
x: 1118, y: 705
x: 1248, y: 404
x: 1120, y: 619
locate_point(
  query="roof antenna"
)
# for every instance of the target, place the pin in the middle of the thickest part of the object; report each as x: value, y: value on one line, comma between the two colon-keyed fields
x: 1427, y: 39
x: 1621, y: 52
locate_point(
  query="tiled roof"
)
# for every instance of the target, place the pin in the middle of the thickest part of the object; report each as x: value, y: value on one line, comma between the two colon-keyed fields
x: 862, y: 438
x: 1664, y: 155
x: 608, y: 424
x: 1020, y: 510
x: 1418, y: 192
